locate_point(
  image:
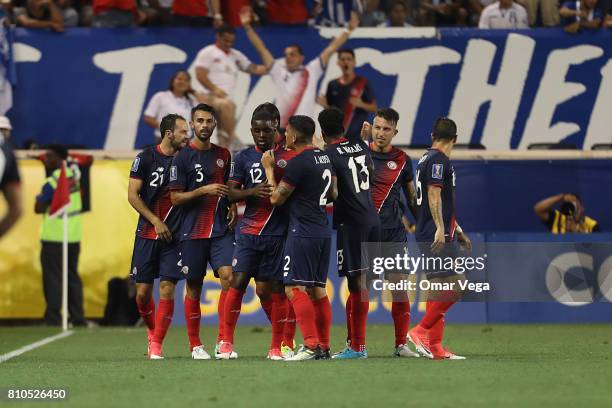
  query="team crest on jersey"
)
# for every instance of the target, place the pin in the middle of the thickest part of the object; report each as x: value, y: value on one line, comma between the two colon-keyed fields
x: 392, y: 165
x: 173, y: 173
x: 234, y: 262
x: 185, y: 270
x: 220, y: 163
x: 437, y: 171
x: 282, y: 163
x: 135, y: 165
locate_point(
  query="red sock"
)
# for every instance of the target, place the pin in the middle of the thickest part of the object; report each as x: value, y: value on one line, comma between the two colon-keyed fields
x: 163, y: 318
x: 305, y: 318
x: 349, y: 305
x: 289, y: 327
x: 400, y: 311
x: 193, y: 314
x: 279, y: 316
x: 233, y: 304
x: 267, y: 307
x: 323, y: 314
x: 220, y: 315
x: 434, y: 313
x: 147, y: 312
x: 359, y: 318
x: 437, y: 330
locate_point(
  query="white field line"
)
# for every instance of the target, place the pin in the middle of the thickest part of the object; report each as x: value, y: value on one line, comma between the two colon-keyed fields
x: 32, y: 346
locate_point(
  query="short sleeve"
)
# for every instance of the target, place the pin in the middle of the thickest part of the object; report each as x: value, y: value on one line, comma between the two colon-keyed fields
x: 11, y: 172
x: 293, y: 172
x: 368, y: 93
x: 204, y: 59
x: 178, y: 174
x: 139, y: 167
x: 154, y: 105
x: 436, y: 171
x: 242, y: 60
x: 276, y: 72
x: 237, y: 172
x: 407, y: 174
x: 46, y: 194
x: 483, y: 23
x: 315, y: 68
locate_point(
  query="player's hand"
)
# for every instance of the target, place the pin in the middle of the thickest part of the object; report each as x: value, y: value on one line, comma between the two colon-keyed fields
x: 439, y: 241
x: 232, y: 216
x: 245, y: 16
x: 465, y: 241
x: 219, y: 93
x: 267, y: 159
x: 162, y: 231
x: 356, y: 101
x: 263, y: 190
x: 216, y: 190
x: 354, y: 22
x: 366, y: 130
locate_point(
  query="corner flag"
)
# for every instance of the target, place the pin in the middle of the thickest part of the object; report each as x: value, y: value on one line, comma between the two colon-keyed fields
x: 61, y: 197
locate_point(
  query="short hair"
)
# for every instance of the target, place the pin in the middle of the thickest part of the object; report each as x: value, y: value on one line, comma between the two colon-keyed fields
x: 297, y: 47
x: 60, y: 150
x: 444, y: 129
x: 176, y: 73
x: 388, y: 114
x: 346, y: 51
x: 225, y: 29
x: 331, y: 121
x: 269, y: 108
x: 394, y: 3
x: 205, y: 108
x: 263, y: 115
x: 304, y: 126
x: 168, y: 122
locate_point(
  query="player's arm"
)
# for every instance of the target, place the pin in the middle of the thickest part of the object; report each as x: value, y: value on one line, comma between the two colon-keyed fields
x: 434, y: 195
x: 543, y: 207
x: 339, y: 41
x: 462, y: 237
x: 237, y: 193
x: 202, y: 76
x: 14, y: 201
x: 161, y: 229
x: 332, y: 193
x: 256, y: 41
x: 410, y: 192
x: 280, y: 192
x: 179, y: 197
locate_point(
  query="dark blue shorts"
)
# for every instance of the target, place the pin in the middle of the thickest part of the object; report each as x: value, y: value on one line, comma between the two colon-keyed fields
x: 306, y: 261
x: 259, y: 256
x: 393, y: 242
x: 154, y: 259
x: 352, y: 260
x: 196, y: 254
x: 393, y: 235
x: 436, y: 264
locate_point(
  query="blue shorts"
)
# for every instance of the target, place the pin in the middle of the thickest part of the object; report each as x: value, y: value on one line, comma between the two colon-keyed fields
x: 393, y: 242
x: 154, y: 259
x: 306, y: 261
x: 352, y: 260
x: 259, y: 256
x: 435, y: 264
x: 393, y: 235
x: 196, y: 254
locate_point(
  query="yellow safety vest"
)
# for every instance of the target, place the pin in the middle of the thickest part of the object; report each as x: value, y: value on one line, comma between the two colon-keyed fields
x: 53, y: 228
x: 560, y: 223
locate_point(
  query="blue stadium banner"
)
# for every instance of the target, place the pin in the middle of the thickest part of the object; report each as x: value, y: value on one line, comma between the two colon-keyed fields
x: 505, y: 89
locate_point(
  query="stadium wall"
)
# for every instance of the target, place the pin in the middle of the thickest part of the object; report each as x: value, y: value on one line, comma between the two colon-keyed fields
x: 505, y: 89
x: 490, y: 188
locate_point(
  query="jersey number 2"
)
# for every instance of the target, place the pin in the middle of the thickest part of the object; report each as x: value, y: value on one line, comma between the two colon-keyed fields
x: 327, y: 177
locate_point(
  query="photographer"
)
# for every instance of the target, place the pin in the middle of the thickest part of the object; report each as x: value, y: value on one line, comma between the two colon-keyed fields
x: 569, y: 218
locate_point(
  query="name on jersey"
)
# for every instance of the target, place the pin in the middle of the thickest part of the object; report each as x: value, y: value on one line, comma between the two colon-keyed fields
x: 349, y: 149
x: 322, y: 159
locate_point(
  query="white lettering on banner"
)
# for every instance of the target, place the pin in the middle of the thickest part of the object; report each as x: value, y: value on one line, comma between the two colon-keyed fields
x: 22, y: 53
x: 553, y: 91
x: 599, y: 126
x: 26, y: 53
x: 474, y: 89
x: 135, y: 66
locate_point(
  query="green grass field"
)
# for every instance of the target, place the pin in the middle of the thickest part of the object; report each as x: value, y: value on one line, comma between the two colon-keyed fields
x: 508, y: 365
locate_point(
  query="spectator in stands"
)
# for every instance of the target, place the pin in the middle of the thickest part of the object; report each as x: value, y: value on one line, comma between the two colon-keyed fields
x: 607, y: 9
x: 568, y: 218
x: 398, y: 15
x: 195, y: 13
x: 549, y: 11
x: 52, y: 234
x: 350, y: 93
x: 46, y: 14
x: 287, y: 12
x: 230, y: 11
x: 179, y: 98
x: 580, y: 14
x: 442, y: 13
x: 332, y: 13
x: 217, y: 67
x: 115, y: 13
x: 475, y: 8
x: 504, y: 14
x: 370, y: 14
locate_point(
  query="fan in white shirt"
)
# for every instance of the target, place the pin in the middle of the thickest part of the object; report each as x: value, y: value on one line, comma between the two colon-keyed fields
x: 217, y: 67
x: 296, y: 83
x: 505, y: 14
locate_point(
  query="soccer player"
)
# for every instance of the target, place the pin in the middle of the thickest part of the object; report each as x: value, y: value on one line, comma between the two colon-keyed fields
x: 350, y: 93
x: 437, y: 233
x: 392, y: 173
x: 296, y: 83
x: 198, y: 179
x: 156, y: 252
x: 259, y: 248
x: 355, y: 220
x: 10, y: 185
x: 307, y: 185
